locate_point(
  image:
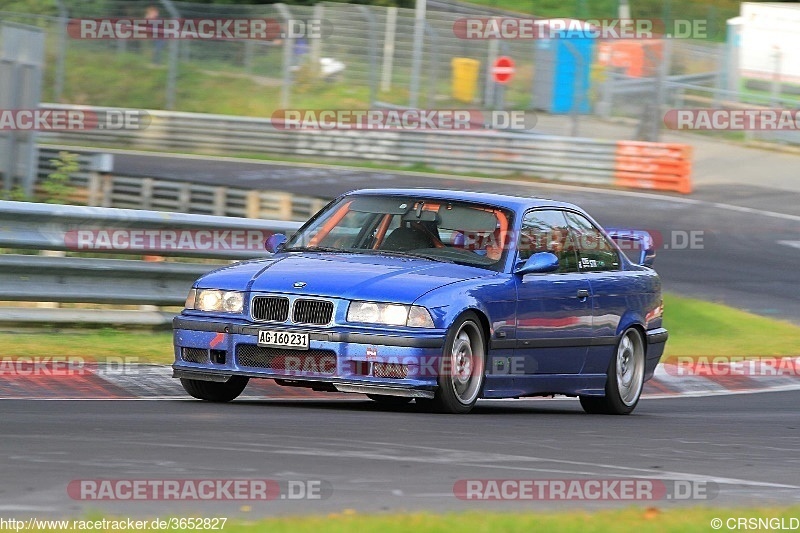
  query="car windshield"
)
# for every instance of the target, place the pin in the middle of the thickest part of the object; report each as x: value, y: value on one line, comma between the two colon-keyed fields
x: 409, y: 226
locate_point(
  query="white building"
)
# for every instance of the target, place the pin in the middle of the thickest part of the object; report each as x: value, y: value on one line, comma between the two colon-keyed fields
x: 769, y: 41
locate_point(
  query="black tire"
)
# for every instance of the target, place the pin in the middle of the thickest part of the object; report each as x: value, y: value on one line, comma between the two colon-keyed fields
x: 461, y: 372
x: 623, y: 382
x: 389, y: 401
x: 215, y: 391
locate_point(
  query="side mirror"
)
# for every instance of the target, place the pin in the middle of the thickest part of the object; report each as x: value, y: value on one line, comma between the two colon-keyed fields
x: 539, y: 263
x: 275, y: 242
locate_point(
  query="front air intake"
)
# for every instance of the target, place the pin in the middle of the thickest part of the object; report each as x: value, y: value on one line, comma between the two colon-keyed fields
x: 315, y: 312
x: 270, y: 308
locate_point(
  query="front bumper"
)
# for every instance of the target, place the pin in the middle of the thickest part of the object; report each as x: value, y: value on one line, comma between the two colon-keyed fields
x: 345, y: 358
x: 656, y: 341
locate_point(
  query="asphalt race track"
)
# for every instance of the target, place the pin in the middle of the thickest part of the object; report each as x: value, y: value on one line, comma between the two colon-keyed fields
x: 741, y: 449
x: 746, y: 239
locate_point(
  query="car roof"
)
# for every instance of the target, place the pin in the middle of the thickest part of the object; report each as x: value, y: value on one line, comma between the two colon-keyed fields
x: 513, y: 202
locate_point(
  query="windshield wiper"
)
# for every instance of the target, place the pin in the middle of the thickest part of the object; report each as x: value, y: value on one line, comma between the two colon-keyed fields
x: 398, y: 253
x: 315, y: 249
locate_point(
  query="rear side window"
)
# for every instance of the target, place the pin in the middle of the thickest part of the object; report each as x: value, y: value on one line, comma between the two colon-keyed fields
x: 595, y: 252
x: 547, y: 231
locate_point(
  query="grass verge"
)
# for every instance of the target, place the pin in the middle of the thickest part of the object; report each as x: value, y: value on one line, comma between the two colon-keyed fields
x: 696, y: 328
x: 700, y: 328
x: 102, y: 345
x: 640, y: 520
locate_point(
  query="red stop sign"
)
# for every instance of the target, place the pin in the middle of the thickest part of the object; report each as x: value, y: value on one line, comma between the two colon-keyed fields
x: 503, y: 69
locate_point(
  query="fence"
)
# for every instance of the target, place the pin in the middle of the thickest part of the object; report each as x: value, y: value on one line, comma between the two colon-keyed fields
x: 378, y: 56
x: 578, y: 160
x: 21, y: 66
x: 43, y: 278
x: 372, y: 55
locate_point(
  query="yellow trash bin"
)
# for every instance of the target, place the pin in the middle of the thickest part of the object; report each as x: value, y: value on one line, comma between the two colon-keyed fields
x: 465, y: 78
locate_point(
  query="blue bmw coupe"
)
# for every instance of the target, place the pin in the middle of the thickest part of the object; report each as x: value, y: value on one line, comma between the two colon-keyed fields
x: 439, y: 297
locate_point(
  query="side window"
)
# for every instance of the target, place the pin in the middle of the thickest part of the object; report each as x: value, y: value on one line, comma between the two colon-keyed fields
x: 595, y: 252
x: 547, y: 231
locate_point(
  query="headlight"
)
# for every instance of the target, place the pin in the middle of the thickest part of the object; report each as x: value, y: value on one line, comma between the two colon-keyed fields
x: 419, y: 317
x: 216, y: 300
x: 390, y: 314
x: 191, y: 299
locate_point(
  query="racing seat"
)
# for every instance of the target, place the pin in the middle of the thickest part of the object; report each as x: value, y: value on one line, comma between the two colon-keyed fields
x: 407, y: 238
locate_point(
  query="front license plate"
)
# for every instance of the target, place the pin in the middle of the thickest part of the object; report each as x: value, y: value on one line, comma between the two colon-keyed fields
x: 283, y: 339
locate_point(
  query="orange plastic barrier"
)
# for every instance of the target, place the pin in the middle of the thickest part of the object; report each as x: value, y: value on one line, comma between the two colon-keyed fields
x: 658, y: 166
x: 637, y: 58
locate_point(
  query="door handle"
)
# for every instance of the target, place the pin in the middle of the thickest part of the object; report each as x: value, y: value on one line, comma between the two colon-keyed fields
x: 583, y: 294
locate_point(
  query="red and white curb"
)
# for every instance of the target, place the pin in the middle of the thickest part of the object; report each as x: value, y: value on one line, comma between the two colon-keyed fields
x: 707, y: 377
x: 142, y: 381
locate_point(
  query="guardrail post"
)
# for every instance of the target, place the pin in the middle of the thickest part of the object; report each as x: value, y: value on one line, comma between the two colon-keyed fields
x: 94, y: 187
x: 316, y: 205
x: 147, y: 193
x: 50, y: 253
x: 107, y: 190
x: 253, y: 204
x: 185, y: 197
x: 220, y: 199
x: 285, y: 208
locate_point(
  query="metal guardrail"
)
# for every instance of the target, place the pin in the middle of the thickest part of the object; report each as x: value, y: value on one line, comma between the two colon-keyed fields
x: 579, y: 160
x: 37, y: 278
x: 25, y: 225
x: 625, y: 85
x: 97, y: 185
x: 132, y: 192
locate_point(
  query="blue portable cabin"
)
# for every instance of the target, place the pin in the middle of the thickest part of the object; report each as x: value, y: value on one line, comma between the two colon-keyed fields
x: 563, y: 56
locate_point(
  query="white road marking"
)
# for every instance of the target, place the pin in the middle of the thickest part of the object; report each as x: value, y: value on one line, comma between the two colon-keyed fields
x: 793, y: 244
x: 26, y: 508
x: 449, y: 456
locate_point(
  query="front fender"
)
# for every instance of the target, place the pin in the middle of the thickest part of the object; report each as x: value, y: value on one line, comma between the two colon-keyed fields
x: 494, y: 298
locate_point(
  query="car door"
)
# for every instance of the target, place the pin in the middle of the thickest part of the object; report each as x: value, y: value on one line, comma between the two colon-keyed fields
x: 554, y: 310
x: 599, y: 261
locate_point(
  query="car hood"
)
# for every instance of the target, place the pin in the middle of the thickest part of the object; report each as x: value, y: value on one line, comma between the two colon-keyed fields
x: 350, y: 276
